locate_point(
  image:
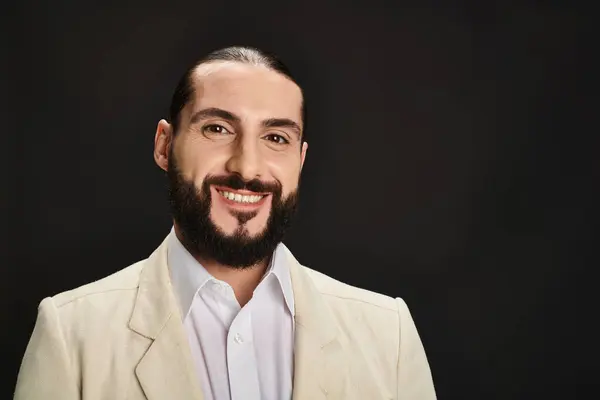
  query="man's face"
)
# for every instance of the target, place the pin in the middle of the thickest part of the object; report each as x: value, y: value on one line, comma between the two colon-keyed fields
x: 235, y: 163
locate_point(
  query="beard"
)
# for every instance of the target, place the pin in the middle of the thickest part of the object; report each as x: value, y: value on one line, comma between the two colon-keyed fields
x: 190, y: 207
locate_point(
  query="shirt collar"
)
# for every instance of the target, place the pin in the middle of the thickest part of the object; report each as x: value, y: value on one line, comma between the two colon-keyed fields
x: 189, y: 276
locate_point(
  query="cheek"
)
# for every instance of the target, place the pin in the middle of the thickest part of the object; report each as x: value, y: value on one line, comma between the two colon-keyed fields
x: 201, y: 159
x: 288, y: 173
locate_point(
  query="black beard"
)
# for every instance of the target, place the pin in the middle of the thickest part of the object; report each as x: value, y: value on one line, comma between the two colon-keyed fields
x: 190, y: 208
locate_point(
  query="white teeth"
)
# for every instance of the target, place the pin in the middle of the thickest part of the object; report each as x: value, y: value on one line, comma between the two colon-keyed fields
x: 240, y: 198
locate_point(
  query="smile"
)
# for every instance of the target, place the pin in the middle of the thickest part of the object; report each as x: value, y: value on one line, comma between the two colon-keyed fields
x: 240, y: 198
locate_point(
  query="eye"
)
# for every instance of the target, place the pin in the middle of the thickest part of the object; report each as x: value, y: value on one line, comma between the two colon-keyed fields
x: 216, y: 129
x: 278, y: 139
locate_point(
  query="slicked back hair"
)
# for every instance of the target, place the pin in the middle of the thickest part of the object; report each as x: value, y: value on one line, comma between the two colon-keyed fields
x: 241, y: 54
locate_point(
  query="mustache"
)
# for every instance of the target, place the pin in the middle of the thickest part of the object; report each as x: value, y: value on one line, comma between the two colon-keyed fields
x: 236, y: 182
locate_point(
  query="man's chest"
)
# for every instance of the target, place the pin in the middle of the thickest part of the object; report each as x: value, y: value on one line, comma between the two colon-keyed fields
x: 241, y: 352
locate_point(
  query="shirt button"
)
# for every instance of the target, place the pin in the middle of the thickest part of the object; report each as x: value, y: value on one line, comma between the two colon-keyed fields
x: 238, y: 338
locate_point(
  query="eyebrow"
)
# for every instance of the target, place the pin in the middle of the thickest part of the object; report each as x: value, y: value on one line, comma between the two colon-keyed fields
x: 214, y: 112
x: 283, y: 123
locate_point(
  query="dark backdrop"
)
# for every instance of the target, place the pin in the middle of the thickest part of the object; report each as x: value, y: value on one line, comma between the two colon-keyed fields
x: 449, y: 163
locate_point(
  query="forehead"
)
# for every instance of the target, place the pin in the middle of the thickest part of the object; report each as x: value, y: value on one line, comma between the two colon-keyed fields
x: 249, y: 91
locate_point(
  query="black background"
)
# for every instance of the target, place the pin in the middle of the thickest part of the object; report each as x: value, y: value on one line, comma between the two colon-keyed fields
x: 451, y: 162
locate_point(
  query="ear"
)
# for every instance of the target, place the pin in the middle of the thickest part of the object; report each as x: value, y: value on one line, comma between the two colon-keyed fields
x: 163, y: 140
x: 303, y: 154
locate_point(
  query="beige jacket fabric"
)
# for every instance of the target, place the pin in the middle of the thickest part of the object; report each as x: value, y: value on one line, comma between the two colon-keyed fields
x: 123, y: 338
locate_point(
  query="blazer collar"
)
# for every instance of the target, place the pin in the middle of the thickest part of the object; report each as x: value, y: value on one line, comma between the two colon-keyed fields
x: 320, y: 363
x: 167, y: 369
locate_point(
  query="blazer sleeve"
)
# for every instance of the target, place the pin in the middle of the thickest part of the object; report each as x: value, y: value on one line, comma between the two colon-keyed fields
x: 415, y: 381
x: 46, y: 371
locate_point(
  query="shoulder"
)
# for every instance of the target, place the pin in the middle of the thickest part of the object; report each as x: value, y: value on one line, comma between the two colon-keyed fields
x: 119, y: 283
x: 87, y: 315
x: 342, y: 292
x: 91, y: 308
x: 369, y: 324
x: 362, y: 312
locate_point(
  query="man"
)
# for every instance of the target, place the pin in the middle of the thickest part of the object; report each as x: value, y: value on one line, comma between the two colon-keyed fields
x: 222, y: 310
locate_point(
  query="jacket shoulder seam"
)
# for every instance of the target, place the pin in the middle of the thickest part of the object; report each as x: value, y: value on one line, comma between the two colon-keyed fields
x: 83, y: 295
x: 361, y: 301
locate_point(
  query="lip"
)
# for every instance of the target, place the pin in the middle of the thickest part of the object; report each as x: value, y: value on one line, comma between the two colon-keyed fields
x: 240, y: 206
x: 242, y: 192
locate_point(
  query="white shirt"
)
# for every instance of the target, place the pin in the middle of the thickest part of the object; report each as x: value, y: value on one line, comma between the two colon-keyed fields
x: 240, y: 353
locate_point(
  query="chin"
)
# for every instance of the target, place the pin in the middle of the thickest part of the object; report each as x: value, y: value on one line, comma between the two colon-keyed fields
x: 252, y: 230
x: 229, y: 230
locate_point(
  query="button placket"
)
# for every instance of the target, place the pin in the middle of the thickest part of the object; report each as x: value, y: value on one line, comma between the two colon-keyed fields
x: 242, y: 365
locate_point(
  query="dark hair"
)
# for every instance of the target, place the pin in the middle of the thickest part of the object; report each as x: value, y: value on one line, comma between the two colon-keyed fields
x: 241, y: 54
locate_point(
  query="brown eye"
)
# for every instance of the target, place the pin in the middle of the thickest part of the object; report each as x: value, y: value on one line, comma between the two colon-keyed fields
x: 216, y: 130
x: 278, y: 139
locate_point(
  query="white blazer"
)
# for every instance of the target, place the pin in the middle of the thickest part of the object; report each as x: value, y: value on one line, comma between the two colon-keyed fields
x: 122, y: 337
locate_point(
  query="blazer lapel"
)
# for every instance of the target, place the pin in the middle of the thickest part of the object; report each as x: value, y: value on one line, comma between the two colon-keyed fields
x: 320, y: 367
x: 166, y: 370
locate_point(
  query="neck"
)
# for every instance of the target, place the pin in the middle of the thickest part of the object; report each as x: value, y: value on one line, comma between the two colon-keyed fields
x: 243, y: 281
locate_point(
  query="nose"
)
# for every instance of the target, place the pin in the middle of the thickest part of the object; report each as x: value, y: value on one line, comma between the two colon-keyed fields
x: 245, y: 160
